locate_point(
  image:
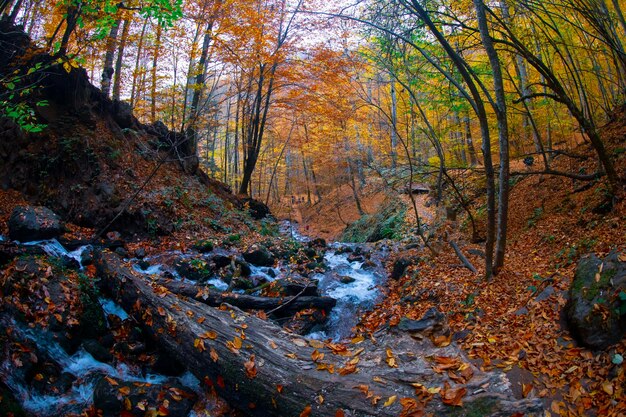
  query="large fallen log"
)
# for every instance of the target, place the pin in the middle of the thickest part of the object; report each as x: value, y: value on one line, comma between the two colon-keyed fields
x: 282, y: 306
x: 265, y: 371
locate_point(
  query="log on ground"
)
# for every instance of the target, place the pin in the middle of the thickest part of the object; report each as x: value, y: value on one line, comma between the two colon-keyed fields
x: 283, y: 306
x: 265, y: 371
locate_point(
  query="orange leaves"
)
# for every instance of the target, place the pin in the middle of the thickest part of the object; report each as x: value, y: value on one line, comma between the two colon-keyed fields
x: 199, y: 344
x: 452, y: 396
x: 209, y: 335
x: 213, y: 354
x: 391, y: 360
x: 250, y: 367
x: 317, y: 356
x: 235, y: 345
x: 350, y: 367
x: 306, y: 412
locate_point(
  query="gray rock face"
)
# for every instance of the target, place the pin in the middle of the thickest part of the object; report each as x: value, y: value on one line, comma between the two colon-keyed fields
x: 34, y: 223
x: 596, y: 310
x: 259, y: 255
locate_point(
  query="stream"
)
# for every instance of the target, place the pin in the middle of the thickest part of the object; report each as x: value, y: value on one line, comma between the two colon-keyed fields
x: 353, y: 276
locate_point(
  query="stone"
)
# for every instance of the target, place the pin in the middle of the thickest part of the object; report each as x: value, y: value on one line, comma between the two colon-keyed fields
x: 294, y: 285
x: 34, y: 223
x: 109, y: 397
x: 545, y: 294
x: 257, y: 209
x: 259, y: 255
x: 318, y: 243
x: 399, y: 267
x: 432, y: 323
x: 596, y: 309
x: 346, y: 279
x: 203, y: 246
x: 99, y: 352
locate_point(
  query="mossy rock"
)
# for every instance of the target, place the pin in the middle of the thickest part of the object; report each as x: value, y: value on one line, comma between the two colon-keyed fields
x: 386, y: 223
x: 596, y: 309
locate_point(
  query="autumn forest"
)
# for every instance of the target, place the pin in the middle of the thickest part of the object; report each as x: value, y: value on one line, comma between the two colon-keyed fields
x: 307, y: 208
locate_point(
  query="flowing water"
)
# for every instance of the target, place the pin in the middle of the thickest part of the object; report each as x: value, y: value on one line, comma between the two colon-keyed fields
x: 355, y: 287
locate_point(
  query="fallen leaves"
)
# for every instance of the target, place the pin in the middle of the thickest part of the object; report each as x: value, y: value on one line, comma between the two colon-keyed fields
x: 199, y: 344
x: 250, y: 366
x: 391, y: 360
x: 452, y: 396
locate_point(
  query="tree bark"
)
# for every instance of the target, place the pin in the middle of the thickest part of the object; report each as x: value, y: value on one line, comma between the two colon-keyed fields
x: 503, y: 135
x: 285, y: 306
x: 265, y: 371
x: 107, y: 67
x: 117, y: 80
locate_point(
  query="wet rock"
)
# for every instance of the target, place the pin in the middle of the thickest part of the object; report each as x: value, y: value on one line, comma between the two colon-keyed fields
x: 295, y: 285
x: 114, y: 240
x: 596, y: 309
x: 220, y: 260
x: 432, y: 323
x: 399, y: 267
x: 112, y: 400
x: 521, y: 311
x: 305, y: 321
x: 257, y: 209
x: 311, y: 253
x: 259, y: 255
x: 120, y: 250
x: 356, y: 258
x: 86, y: 257
x: 242, y: 283
x: 318, y: 243
x: 140, y: 253
x: 143, y: 264
x: 203, y: 246
x: 99, y: 352
x: 545, y: 294
x: 346, y: 279
x: 258, y: 280
x: 34, y: 223
x: 196, y: 269
x: 242, y: 266
x: 368, y: 265
x: 270, y: 272
x: 343, y: 249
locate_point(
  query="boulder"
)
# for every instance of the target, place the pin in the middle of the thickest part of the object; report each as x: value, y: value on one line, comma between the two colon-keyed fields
x: 298, y: 285
x: 259, y: 255
x: 596, y: 309
x: 34, y: 223
x: 113, y: 396
x: 257, y: 209
x: 399, y: 267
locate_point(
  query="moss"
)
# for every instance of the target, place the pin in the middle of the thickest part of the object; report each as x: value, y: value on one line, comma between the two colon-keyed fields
x: 603, y: 282
x: 480, y: 407
x: 386, y: 223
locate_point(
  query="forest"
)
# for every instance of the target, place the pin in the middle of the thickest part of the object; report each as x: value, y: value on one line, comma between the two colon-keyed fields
x: 306, y: 208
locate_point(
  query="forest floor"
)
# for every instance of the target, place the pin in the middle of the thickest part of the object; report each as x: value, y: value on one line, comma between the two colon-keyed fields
x: 515, y: 322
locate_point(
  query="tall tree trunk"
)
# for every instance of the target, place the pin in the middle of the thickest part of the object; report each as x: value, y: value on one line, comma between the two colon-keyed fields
x: 107, y: 66
x: 133, y: 91
x: 503, y: 134
x: 192, y: 134
x: 117, y: 81
x: 155, y: 61
x: 16, y: 10
x: 5, y: 6
x: 71, y: 19
x: 394, y: 122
